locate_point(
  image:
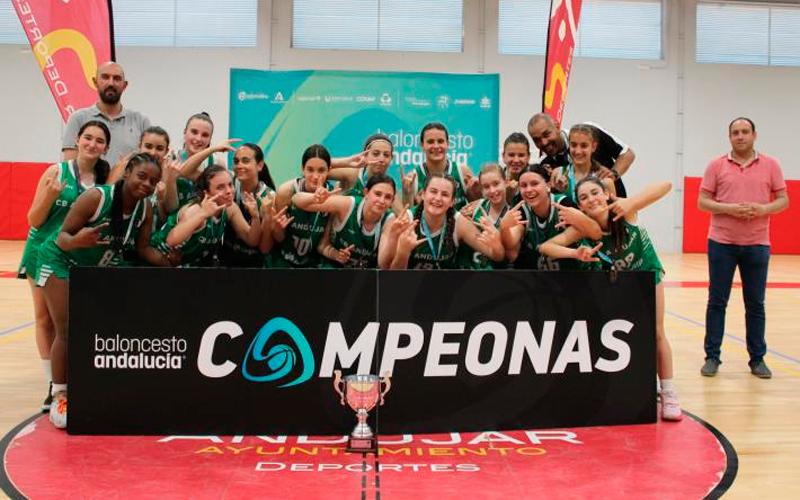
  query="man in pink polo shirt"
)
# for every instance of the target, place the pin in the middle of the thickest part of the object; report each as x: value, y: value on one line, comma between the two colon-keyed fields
x: 741, y: 190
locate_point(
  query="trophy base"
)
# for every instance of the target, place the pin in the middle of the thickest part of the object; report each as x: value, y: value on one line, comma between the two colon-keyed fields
x: 362, y: 445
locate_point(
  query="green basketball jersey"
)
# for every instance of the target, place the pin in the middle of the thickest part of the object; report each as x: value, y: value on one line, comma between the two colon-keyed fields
x: 299, y: 245
x: 110, y: 250
x: 235, y: 252
x: 636, y: 254
x: 55, y: 217
x: 460, y: 196
x: 202, y: 247
x: 467, y: 257
x: 537, y: 231
x: 351, y: 231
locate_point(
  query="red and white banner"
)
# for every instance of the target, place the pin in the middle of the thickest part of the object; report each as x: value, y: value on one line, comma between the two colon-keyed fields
x: 69, y: 38
x: 561, y: 36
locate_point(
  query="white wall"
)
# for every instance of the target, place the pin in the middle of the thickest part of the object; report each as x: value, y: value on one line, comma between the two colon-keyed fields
x: 673, y: 113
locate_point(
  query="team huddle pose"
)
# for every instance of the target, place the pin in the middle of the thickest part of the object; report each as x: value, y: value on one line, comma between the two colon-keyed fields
x: 184, y: 209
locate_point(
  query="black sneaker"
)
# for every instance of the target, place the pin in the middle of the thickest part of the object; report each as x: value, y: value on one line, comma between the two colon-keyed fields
x: 710, y: 367
x: 48, y: 400
x: 760, y: 370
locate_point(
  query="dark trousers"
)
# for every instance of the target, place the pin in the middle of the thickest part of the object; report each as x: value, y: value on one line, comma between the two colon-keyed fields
x: 753, y: 261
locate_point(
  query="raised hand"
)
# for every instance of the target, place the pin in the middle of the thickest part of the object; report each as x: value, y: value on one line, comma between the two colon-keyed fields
x: 89, y: 237
x: 225, y: 146
x: 469, y: 209
x: 408, y: 180
x: 408, y: 240
x: 621, y: 207
x: 568, y: 216
x: 586, y: 254
x: 53, y: 186
x: 560, y: 182
x: 279, y: 219
x: 321, y: 194
x: 470, y: 180
x: 170, y: 167
x: 209, y: 205
x: 513, y: 217
x: 605, y: 173
x: 250, y: 204
x: 400, y: 224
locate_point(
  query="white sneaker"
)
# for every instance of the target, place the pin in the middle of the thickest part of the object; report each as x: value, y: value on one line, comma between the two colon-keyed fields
x: 670, y: 407
x: 58, y: 411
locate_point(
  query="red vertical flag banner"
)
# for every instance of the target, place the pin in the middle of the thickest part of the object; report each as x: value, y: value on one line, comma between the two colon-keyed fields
x: 69, y: 40
x: 561, y: 35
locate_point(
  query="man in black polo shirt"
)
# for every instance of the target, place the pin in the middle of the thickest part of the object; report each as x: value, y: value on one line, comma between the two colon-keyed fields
x: 613, y: 155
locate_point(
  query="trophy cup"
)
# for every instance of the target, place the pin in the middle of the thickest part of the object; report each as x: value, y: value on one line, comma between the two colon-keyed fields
x: 362, y: 393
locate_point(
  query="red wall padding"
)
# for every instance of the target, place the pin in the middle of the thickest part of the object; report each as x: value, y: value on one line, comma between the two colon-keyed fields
x: 783, y: 234
x: 17, y: 186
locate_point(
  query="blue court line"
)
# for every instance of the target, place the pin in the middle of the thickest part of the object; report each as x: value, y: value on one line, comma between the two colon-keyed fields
x: 13, y: 329
x: 734, y: 337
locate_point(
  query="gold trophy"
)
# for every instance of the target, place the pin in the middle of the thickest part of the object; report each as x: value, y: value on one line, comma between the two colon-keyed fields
x: 362, y: 393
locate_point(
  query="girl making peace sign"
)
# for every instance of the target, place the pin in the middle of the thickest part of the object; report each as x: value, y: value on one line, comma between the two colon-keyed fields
x: 624, y: 246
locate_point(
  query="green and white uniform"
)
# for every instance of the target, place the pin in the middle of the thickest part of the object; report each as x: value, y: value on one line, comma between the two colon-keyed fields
x: 235, y: 252
x: 537, y: 231
x: 434, y: 253
x: 460, y: 196
x: 467, y: 257
x: 110, y: 249
x: 299, y: 245
x: 351, y: 231
x: 637, y: 253
x: 202, y: 247
x: 70, y: 179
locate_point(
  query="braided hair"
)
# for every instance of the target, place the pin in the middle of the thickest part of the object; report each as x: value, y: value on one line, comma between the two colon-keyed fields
x: 619, y: 233
x: 448, y: 245
x: 117, y: 217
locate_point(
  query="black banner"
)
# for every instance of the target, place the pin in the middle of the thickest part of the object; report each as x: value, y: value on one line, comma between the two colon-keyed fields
x: 235, y: 351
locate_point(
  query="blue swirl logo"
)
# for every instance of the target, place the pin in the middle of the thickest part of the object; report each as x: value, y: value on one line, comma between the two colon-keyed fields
x: 281, y: 359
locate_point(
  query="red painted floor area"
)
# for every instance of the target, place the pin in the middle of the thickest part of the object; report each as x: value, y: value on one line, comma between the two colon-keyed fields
x: 664, y: 460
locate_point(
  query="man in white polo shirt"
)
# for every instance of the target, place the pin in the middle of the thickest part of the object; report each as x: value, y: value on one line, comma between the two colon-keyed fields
x: 126, y: 125
x: 741, y: 190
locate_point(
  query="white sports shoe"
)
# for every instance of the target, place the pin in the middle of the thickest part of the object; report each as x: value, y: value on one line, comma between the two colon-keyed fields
x: 58, y: 411
x: 670, y: 406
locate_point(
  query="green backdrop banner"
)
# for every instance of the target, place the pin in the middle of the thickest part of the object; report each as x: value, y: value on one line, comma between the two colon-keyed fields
x: 286, y: 111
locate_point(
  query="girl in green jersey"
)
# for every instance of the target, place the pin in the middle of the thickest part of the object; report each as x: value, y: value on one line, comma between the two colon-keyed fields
x: 435, y: 143
x: 103, y: 222
x: 429, y: 236
x: 516, y: 156
x: 582, y: 145
x: 494, y: 206
x: 354, y: 231
x: 353, y: 171
x: 197, y: 229
x: 251, y: 176
x: 537, y: 218
x: 196, y: 138
x: 297, y: 232
x: 57, y: 190
x: 623, y: 246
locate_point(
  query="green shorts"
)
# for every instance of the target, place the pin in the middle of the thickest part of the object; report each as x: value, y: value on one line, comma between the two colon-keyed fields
x: 52, y: 262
